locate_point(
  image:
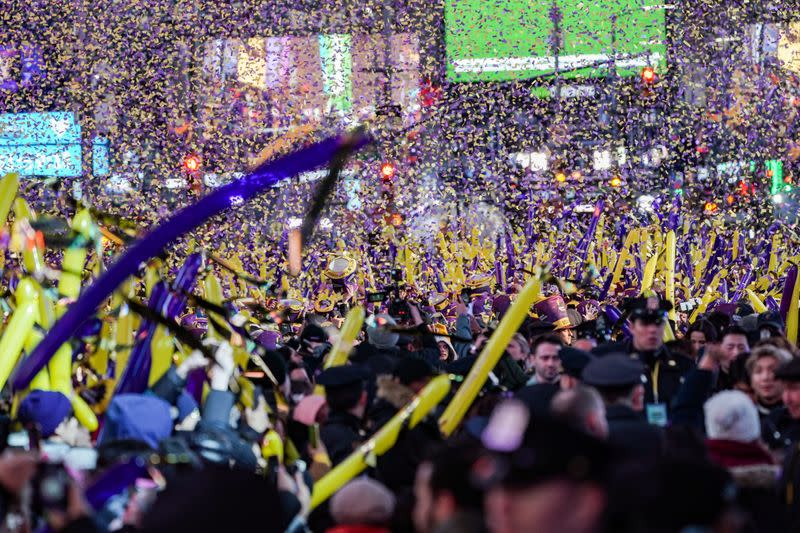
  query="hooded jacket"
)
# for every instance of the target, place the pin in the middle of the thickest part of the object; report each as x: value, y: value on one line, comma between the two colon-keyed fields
x: 756, y: 475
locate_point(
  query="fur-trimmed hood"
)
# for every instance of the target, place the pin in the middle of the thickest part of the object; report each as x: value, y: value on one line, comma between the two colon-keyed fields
x: 755, y: 476
x: 393, y: 392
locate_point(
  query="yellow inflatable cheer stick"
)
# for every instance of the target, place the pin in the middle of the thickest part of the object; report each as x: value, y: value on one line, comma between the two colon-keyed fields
x: 489, y: 357
x: 162, y: 349
x: 755, y: 301
x: 60, y: 365
x: 213, y: 293
x: 19, y: 327
x: 45, y: 318
x: 648, y: 274
x: 151, y: 276
x: 350, y: 330
x: 22, y: 210
x: 386, y: 437
x: 123, y: 336
x: 9, y: 186
x: 341, y: 350
x: 99, y: 358
x: 69, y: 284
x: 669, y: 271
x: 707, y: 297
x: 773, y: 256
x: 622, y: 257
x: 42, y: 380
x: 791, y: 316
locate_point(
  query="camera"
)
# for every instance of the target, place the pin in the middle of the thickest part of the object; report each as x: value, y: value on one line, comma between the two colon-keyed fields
x: 399, y: 310
x: 376, y: 297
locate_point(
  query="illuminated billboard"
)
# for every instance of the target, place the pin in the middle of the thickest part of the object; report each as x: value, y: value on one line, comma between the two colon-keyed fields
x: 40, y: 144
x: 499, y: 40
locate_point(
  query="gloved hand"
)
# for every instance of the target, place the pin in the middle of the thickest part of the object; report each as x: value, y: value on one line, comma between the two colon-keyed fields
x: 257, y: 417
x: 222, y: 371
x: 195, y: 360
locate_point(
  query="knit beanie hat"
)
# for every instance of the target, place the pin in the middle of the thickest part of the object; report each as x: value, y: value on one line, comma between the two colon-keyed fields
x: 363, y: 501
x: 732, y: 415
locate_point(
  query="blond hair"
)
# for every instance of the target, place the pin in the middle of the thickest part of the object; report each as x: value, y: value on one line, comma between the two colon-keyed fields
x: 766, y: 350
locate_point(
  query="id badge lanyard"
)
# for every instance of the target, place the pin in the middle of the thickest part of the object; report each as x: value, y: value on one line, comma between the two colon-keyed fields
x: 654, y: 378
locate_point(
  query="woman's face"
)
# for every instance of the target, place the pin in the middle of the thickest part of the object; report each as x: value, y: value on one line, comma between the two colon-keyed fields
x: 765, y: 386
x: 444, y: 351
x: 698, y: 340
x: 515, y: 350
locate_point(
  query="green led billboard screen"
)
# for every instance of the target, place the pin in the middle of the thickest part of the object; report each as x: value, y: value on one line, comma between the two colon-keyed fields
x: 499, y: 40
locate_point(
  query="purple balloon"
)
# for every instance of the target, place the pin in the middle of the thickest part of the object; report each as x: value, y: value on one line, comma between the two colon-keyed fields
x: 169, y: 303
x: 187, y: 219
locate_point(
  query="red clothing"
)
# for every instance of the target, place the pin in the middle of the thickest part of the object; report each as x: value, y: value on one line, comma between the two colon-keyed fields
x: 355, y: 528
x: 731, y: 453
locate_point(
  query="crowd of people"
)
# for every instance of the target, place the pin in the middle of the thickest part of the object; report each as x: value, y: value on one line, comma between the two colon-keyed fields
x: 574, y: 375
x: 583, y: 425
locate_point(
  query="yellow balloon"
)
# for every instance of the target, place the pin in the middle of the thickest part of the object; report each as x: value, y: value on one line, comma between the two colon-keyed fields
x: 791, y: 316
x: 213, y: 293
x: 83, y: 412
x: 755, y: 301
x: 669, y: 270
x: 649, y: 274
x: 69, y: 284
x: 42, y: 380
x: 99, y: 358
x: 350, y: 330
x: 9, y: 186
x: 60, y: 367
x: 489, y: 357
x: 14, y: 336
x: 162, y: 348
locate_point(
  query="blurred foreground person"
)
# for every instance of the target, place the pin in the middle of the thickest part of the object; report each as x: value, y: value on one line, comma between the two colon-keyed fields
x: 734, y: 442
x: 446, y: 499
x: 541, y: 475
x: 362, y: 506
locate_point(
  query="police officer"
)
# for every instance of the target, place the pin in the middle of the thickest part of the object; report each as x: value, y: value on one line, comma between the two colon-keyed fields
x: 664, y: 371
x: 573, y: 361
x: 618, y: 378
x: 346, y: 393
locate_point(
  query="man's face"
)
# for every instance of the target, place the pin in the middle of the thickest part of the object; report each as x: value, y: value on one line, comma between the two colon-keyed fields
x: 546, y: 363
x: 791, y: 398
x: 647, y: 335
x: 566, y: 336
x: 423, y: 499
x: 554, y: 506
x: 731, y: 346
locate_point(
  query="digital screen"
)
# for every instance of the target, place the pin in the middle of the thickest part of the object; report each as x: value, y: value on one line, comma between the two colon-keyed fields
x: 40, y: 144
x: 500, y: 40
x: 281, y: 81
